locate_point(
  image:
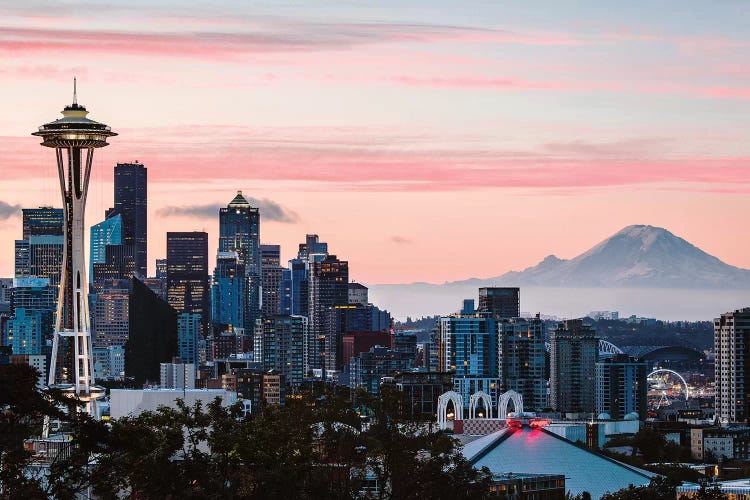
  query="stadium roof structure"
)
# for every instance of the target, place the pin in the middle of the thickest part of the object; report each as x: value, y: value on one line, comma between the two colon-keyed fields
x: 663, y: 352
x: 537, y: 451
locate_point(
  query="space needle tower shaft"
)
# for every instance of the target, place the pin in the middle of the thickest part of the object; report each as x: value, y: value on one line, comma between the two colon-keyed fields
x: 74, y: 137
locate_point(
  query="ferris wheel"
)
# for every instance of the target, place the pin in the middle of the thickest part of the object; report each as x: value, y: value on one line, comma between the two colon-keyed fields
x: 666, y: 386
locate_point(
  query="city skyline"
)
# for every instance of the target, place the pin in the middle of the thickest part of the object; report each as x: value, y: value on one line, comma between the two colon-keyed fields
x: 603, y: 118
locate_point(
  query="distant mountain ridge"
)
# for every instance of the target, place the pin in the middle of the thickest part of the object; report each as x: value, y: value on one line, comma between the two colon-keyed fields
x: 636, y: 256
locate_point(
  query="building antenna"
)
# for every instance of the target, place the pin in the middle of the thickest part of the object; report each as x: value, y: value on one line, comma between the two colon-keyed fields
x: 75, y: 92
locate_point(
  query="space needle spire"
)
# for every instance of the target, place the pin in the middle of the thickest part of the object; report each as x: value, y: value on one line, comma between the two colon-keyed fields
x: 74, y: 138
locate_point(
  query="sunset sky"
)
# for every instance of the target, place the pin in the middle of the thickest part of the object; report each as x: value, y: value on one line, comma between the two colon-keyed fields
x: 425, y: 141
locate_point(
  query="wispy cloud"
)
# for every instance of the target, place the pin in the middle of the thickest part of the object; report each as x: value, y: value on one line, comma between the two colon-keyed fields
x: 7, y: 210
x: 269, y: 211
x: 269, y: 37
x: 342, y: 159
x: 400, y: 240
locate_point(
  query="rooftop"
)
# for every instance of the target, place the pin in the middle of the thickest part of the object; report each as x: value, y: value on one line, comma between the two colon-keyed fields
x: 537, y: 451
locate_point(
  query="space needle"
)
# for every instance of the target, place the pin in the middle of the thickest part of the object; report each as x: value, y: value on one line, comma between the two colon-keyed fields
x: 74, y: 138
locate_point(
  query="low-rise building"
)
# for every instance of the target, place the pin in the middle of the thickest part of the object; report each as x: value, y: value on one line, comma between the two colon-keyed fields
x: 512, y: 486
x: 721, y: 443
x: 125, y: 402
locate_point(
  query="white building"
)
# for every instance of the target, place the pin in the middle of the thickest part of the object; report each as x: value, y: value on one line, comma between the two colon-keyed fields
x: 109, y: 362
x: 177, y: 375
x: 125, y: 402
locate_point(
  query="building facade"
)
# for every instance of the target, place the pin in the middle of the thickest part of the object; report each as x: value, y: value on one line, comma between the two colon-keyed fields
x: 131, y: 203
x: 521, y: 360
x: 621, y: 386
x: 500, y: 302
x: 468, y: 347
x: 187, y: 274
x: 732, y: 347
x: 574, y: 351
x: 328, y: 283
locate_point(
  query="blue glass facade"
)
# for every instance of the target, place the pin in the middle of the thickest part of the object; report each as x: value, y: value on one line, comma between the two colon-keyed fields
x: 228, y: 292
x: 469, y: 348
x: 188, y: 333
x: 24, y: 332
x: 108, y: 232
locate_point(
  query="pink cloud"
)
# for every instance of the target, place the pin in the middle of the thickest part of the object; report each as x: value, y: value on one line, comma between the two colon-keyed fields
x: 340, y: 159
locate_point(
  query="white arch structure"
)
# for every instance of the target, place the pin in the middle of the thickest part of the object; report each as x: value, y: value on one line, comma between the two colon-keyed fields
x: 458, y: 408
x: 502, y: 406
x: 672, y: 372
x: 474, y: 402
x: 609, y: 347
x: 605, y: 347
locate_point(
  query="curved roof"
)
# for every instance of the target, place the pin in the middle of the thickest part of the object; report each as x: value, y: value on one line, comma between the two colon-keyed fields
x: 662, y: 352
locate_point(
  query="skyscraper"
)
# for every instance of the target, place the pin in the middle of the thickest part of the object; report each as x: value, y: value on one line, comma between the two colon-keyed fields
x: 107, y: 232
x: 42, y: 221
x: 328, y: 283
x: 621, y: 386
x: 279, y: 346
x: 131, y: 203
x: 152, y: 338
x: 468, y: 346
x: 501, y: 302
x: 228, y: 293
x: 110, y: 313
x: 271, y: 272
x: 188, y: 335
x: 239, y: 232
x: 74, y: 137
x: 731, y: 345
x: 574, y: 349
x: 187, y: 274
x: 521, y: 358
x: 40, y: 256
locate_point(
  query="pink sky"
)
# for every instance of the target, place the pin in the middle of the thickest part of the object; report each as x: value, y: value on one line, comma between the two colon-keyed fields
x: 424, y: 144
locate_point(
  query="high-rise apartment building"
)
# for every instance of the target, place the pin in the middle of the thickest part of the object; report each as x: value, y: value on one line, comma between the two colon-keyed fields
x: 732, y: 347
x: 521, y: 358
x: 271, y: 279
x: 328, y: 284
x: 131, y: 203
x: 574, y: 351
x: 187, y: 274
x: 279, y: 344
x: 501, y: 302
x: 468, y: 347
x: 110, y: 313
x: 621, y: 386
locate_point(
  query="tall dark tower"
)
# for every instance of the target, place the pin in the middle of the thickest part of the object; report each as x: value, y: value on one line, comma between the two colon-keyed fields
x: 188, y: 286
x: 131, y: 202
x: 74, y: 138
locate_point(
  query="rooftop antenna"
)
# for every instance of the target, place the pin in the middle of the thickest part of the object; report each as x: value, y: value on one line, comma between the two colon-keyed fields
x: 75, y: 92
